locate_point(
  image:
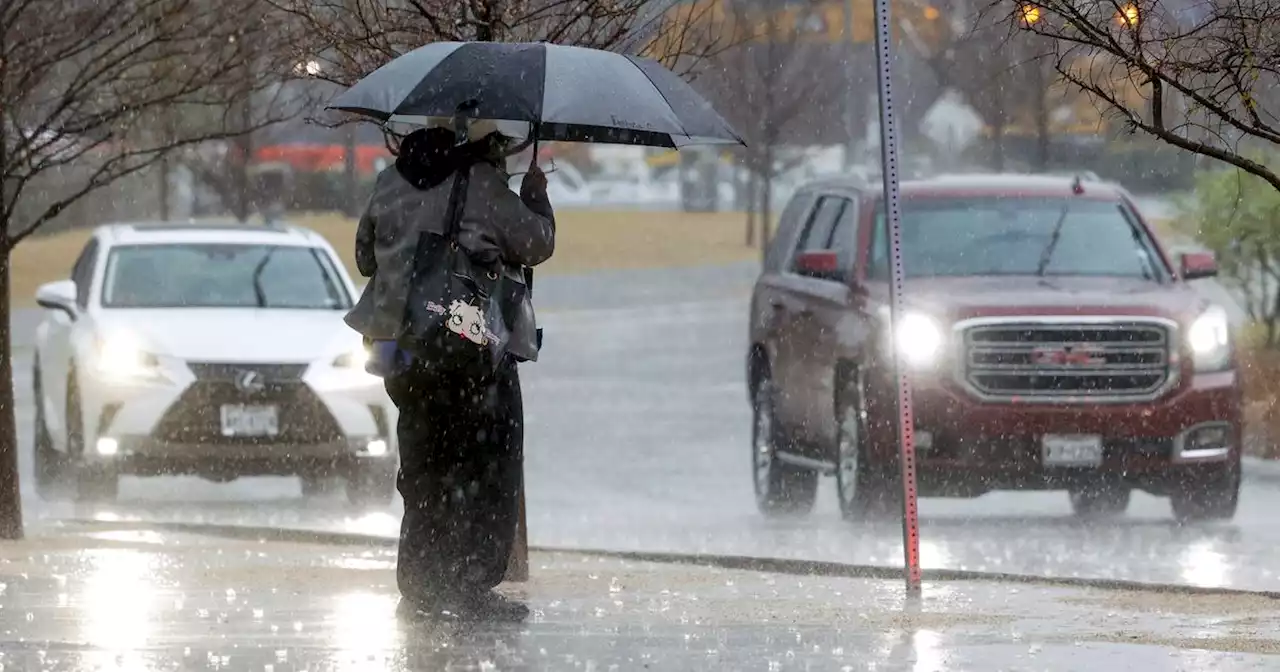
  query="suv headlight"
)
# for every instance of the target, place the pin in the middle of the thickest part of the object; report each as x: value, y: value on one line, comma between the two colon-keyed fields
x: 356, y: 358
x: 122, y: 357
x: 918, y: 340
x: 1209, y: 339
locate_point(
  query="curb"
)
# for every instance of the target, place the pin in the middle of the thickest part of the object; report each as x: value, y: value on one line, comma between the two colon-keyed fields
x: 732, y: 562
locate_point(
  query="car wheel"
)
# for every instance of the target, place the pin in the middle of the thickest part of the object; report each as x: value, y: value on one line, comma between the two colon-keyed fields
x: 316, y: 486
x: 1103, y: 500
x: 93, y: 484
x: 371, y: 488
x: 860, y: 490
x: 50, y: 465
x: 780, y: 488
x: 1211, y: 495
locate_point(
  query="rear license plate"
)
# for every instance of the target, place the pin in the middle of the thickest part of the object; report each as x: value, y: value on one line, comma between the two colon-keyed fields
x: 1075, y: 450
x: 242, y: 420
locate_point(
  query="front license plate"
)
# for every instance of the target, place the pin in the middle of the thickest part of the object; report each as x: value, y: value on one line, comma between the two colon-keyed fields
x: 242, y: 420
x: 1077, y: 450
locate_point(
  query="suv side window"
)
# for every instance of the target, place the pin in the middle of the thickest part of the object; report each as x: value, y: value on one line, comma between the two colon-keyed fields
x: 82, y: 271
x: 878, y: 255
x: 788, y: 222
x: 822, y: 222
x: 844, y: 237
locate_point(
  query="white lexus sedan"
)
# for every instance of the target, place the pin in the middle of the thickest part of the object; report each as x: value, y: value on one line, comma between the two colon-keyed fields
x: 215, y: 350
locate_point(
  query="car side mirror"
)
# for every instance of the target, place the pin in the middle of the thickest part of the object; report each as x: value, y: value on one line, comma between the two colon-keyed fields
x: 60, y: 295
x: 821, y: 264
x: 1197, y: 265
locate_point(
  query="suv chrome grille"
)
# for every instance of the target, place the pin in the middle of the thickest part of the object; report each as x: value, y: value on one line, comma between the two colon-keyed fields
x: 1039, y: 360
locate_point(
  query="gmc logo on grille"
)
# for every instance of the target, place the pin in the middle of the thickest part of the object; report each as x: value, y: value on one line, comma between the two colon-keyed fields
x: 1071, y: 355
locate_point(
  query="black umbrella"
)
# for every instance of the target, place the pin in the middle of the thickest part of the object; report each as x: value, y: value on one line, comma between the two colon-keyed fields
x: 568, y: 94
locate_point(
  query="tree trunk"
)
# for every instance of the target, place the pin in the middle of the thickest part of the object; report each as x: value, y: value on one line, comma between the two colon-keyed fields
x: 1043, y: 139
x: 242, y: 207
x: 752, y: 211
x: 766, y: 214
x: 349, y: 166
x: 165, y: 210
x: 997, y: 146
x: 10, y: 494
x: 766, y: 200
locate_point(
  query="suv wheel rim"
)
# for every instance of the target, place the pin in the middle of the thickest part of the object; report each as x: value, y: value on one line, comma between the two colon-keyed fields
x: 763, y: 448
x: 848, y: 457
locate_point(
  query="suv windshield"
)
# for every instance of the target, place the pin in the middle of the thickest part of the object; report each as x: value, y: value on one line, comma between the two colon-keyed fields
x: 222, y: 276
x: 1012, y: 236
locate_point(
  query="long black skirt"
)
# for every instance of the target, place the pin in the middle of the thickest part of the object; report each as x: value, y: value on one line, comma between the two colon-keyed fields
x: 461, y: 454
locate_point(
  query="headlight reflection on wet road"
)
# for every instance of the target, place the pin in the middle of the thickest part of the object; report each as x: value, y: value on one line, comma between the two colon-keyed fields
x: 119, y: 604
x: 1203, y: 565
x: 364, y: 631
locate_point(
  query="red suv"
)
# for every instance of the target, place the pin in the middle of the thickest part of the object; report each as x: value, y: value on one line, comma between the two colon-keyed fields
x: 1051, y: 342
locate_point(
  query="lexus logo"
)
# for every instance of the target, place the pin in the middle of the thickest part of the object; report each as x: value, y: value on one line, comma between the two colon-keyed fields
x: 250, y: 382
x: 1078, y: 355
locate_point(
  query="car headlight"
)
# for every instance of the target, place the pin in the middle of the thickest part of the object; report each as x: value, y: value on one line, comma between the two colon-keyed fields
x: 1209, y: 339
x: 122, y: 356
x: 918, y: 340
x: 356, y: 358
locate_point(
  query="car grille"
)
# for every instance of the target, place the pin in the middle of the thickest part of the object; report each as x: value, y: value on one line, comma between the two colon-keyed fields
x: 223, y: 371
x: 196, y: 418
x: 1029, y: 360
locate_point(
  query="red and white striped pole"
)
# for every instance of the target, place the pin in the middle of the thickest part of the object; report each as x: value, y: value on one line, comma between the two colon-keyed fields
x: 906, y: 421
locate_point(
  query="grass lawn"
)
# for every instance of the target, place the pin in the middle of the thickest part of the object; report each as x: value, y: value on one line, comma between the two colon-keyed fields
x: 585, y: 241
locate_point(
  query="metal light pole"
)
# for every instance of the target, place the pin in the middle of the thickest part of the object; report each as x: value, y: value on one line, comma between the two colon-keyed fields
x: 906, y: 419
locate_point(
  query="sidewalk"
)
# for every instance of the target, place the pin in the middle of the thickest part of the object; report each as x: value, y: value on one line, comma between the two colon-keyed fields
x: 133, y: 599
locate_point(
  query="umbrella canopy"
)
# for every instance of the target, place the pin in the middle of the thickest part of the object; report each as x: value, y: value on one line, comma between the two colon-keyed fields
x: 569, y: 94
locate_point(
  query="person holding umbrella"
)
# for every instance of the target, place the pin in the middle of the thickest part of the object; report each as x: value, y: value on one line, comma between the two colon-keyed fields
x: 460, y: 433
x: 559, y: 93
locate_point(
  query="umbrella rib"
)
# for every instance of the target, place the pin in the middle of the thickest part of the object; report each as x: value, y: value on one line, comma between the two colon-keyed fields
x: 666, y: 100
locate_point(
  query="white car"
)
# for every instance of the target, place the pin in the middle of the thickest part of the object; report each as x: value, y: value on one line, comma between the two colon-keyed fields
x: 217, y: 350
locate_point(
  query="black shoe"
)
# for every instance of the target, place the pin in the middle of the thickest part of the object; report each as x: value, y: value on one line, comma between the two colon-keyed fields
x: 490, y: 606
x: 422, y: 609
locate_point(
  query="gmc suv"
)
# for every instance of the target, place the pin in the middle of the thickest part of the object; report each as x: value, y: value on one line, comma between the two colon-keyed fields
x: 1050, y: 340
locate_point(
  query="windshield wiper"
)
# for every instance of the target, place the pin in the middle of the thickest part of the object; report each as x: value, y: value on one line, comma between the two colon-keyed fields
x: 1053, y: 242
x: 258, y: 292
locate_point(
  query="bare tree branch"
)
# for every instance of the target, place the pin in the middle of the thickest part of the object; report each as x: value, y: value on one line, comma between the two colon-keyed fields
x: 1202, y: 76
x: 110, y: 87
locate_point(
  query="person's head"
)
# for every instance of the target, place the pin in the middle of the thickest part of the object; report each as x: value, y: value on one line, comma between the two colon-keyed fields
x: 425, y: 145
x: 489, y: 139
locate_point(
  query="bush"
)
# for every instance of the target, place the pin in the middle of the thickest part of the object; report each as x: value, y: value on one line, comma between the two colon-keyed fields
x: 1260, y: 370
x: 1237, y: 216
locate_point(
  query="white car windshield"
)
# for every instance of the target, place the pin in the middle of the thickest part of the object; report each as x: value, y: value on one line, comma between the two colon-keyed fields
x: 215, y: 275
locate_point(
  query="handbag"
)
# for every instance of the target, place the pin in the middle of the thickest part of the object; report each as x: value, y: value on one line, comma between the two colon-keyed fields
x: 454, y: 318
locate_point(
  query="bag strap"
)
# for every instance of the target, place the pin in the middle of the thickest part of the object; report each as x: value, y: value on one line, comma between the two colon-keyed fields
x: 457, y: 202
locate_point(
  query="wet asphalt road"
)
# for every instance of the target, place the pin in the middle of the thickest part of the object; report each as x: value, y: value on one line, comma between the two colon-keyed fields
x: 637, y: 439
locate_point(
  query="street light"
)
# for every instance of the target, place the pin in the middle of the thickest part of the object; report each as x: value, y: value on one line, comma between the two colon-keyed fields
x: 1128, y: 16
x: 310, y: 68
x: 1030, y: 15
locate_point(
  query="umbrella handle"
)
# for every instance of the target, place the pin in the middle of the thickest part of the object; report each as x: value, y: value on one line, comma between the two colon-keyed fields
x: 533, y: 132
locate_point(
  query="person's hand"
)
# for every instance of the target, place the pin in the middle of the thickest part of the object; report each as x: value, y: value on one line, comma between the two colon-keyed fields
x: 535, y: 181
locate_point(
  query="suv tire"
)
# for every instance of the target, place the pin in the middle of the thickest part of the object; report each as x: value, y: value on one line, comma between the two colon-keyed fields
x: 371, y: 488
x: 93, y: 484
x: 51, y: 466
x: 781, y: 489
x: 1211, y: 495
x: 861, y: 490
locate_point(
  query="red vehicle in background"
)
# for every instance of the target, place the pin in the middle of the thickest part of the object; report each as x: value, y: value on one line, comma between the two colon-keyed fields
x: 1052, y: 345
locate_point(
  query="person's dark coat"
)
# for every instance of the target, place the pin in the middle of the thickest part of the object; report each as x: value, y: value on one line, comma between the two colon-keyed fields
x: 412, y: 196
